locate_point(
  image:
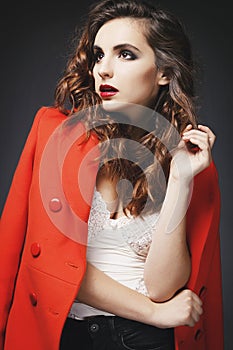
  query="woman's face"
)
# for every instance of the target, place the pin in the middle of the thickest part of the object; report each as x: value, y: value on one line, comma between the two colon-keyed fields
x: 125, y: 65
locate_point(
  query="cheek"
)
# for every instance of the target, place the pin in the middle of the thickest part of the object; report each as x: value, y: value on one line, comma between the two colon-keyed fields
x: 149, y: 76
x: 141, y: 71
x: 146, y: 81
x: 95, y: 77
x: 146, y: 89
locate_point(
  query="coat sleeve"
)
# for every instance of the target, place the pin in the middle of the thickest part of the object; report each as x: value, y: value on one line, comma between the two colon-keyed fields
x: 13, y: 224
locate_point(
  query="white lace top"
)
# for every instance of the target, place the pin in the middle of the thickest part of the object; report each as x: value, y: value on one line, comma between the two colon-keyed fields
x: 118, y: 247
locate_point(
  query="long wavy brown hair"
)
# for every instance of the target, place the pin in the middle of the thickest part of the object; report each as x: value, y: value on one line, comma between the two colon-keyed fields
x: 148, y: 172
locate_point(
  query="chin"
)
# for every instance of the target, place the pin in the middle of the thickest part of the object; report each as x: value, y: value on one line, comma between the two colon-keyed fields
x: 113, y: 106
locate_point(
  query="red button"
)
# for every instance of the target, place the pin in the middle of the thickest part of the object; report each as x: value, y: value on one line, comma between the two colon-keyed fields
x: 33, y: 298
x: 35, y: 249
x: 55, y: 204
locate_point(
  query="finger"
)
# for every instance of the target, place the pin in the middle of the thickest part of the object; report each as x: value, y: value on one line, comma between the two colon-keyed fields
x: 199, y: 309
x: 197, y: 299
x: 191, y: 322
x: 200, y: 135
x: 210, y: 133
x: 206, y: 129
x: 190, y: 144
x: 202, y: 145
x: 195, y: 316
x: 196, y: 133
x: 188, y: 127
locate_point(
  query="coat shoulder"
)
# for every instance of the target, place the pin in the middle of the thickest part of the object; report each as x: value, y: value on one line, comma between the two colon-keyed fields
x: 50, y: 114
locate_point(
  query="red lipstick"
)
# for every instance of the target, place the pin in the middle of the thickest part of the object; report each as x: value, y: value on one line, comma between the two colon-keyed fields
x: 107, y: 90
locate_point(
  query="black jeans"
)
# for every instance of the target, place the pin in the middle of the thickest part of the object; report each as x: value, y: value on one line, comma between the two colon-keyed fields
x: 114, y: 333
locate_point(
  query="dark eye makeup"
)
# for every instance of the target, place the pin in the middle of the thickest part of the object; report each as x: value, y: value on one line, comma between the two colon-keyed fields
x: 98, y: 55
x: 127, y: 54
x: 123, y: 51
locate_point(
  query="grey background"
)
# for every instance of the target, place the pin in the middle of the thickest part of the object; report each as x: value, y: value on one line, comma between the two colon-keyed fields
x: 35, y: 41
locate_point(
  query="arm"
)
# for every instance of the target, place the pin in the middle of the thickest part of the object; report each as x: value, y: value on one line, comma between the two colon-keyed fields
x: 168, y: 265
x: 104, y: 293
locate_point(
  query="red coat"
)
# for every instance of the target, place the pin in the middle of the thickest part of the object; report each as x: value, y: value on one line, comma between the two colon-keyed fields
x: 42, y: 257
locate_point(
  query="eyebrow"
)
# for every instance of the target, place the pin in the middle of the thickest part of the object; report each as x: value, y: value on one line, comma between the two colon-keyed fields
x: 120, y: 46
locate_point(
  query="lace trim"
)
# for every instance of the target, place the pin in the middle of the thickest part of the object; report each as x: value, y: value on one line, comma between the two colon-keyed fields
x: 141, y: 288
x: 138, y: 234
x: 139, y: 237
x: 98, y: 215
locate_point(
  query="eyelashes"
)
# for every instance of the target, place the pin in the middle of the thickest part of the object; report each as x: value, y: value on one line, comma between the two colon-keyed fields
x: 126, y: 55
x: 98, y: 55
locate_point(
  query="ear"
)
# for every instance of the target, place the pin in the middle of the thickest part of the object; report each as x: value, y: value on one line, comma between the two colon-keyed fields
x: 162, y: 79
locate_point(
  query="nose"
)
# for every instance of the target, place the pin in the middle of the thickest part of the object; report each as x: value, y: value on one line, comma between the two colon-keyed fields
x: 105, y: 68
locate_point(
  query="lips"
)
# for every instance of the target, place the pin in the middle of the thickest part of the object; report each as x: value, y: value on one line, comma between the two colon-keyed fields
x: 107, y: 90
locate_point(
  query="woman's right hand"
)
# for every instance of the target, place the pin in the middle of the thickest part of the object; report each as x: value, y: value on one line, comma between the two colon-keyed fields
x: 184, y: 309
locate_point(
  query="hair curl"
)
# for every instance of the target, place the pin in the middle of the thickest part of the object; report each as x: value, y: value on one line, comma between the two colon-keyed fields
x: 175, y: 102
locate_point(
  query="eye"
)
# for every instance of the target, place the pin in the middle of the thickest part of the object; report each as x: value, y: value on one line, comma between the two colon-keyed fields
x: 98, y: 55
x: 127, y: 55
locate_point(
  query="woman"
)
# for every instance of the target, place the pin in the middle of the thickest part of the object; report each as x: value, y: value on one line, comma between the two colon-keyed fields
x: 131, y: 61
